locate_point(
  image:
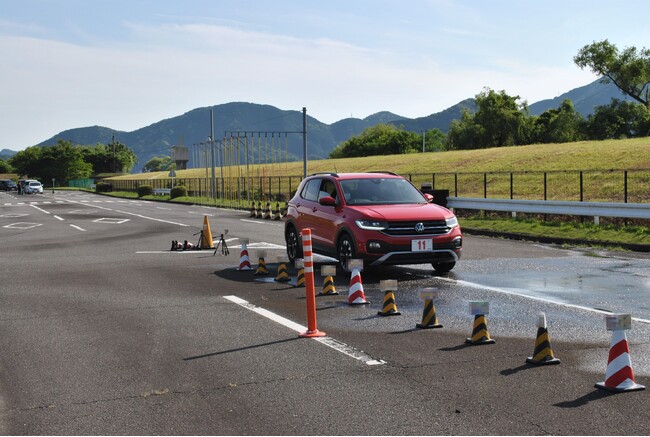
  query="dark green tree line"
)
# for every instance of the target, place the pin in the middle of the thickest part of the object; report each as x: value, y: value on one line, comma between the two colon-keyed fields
x: 65, y: 161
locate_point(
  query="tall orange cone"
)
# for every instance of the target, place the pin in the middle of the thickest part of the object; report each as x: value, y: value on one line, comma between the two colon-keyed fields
x: 619, y: 376
x: 356, y: 296
x: 206, y: 235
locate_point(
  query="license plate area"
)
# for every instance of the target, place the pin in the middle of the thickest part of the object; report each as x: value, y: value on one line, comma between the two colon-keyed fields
x: 423, y: 245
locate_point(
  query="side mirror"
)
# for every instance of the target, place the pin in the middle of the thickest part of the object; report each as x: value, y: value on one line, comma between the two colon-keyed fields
x: 327, y: 201
x: 429, y: 197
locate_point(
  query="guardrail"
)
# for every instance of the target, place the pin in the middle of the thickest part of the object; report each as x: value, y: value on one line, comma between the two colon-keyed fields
x: 593, y: 209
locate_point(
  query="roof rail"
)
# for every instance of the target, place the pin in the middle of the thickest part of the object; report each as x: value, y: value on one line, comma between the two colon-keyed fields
x: 330, y: 173
x: 384, y: 171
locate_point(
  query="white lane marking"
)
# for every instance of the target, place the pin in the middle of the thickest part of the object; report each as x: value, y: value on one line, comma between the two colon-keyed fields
x: 327, y: 341
x: 40, y: 209
x: 78, y: 228
x: 59, y: 218
x: 253, y: 221
x: 137, y: 215
x: 539, y: 299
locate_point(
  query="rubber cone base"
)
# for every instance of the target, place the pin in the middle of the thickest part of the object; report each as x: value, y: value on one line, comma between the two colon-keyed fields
x: 632, y: 387
x: 311, y: 334
x: 421, y: 326
x: 544, y: 362
x: 481, y: 341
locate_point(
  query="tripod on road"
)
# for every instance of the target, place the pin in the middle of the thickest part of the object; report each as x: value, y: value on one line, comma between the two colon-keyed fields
x: 223, y: 245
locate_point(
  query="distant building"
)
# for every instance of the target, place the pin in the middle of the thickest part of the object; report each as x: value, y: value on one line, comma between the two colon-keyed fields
x: 180, y: 156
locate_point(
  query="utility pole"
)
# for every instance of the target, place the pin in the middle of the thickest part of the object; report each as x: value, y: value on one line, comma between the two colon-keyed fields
x: 304, y: 142
x: 213, y: 186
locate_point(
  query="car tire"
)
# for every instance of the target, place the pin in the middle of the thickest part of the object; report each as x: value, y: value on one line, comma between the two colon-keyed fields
x: 345, y: 250
x: 443, y: 267
x: 294, y: 246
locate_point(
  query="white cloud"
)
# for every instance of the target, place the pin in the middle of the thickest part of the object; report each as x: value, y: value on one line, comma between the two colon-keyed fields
x: 166, y: 70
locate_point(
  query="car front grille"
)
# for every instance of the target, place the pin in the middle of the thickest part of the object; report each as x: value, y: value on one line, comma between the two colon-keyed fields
x: 408, y: 228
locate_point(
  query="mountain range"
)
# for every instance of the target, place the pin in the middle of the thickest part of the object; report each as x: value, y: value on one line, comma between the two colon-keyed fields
x: 265, y: 126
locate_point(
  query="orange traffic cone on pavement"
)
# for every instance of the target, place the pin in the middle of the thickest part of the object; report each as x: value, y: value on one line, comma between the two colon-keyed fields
x: 206, y: 235
x: 543, y: 353
x: 619, y: 376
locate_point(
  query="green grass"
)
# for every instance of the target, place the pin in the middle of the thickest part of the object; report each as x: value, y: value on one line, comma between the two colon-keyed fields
x: 602, y: 161
x: 588, y: 232
x: 585, y: 155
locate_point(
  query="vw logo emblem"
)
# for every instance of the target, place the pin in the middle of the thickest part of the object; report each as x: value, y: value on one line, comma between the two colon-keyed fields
x: 419, y: 227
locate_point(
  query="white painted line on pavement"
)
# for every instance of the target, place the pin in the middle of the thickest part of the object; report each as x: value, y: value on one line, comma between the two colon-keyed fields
x: 327, y: 341
x: 539, y: 299
x: 137, y: 215
x: 41, y: 210
x: 59, y: 218
x: 78, y: 228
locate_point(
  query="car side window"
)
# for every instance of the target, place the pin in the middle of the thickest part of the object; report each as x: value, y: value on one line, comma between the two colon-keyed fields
x: 310, y: 192
x: 327, y: 188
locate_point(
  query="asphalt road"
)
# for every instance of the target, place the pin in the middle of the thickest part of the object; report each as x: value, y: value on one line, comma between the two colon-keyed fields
x: 106, y: 331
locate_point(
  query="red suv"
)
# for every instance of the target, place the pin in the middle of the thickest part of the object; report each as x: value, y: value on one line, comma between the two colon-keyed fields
x: 379, y: 217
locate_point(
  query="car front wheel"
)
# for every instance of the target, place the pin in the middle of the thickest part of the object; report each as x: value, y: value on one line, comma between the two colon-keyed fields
x: 345, y: 250
x: 294, y: 248
x: 443, y: 267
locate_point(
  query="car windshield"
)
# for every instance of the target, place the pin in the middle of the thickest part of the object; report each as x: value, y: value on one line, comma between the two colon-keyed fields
x: 380, y: 191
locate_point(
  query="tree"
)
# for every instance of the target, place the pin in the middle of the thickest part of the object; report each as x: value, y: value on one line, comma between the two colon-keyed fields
x: 619, y: 119
x: 63, y: 161
x: 561, y: 125
x: 499, y: 121
x: 382, y: 139
x: 5, y: 167
x: 629, y: 70
x: 158, y: 163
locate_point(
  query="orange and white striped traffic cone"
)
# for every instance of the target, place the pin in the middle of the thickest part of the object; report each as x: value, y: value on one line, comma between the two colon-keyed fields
x: 619, y: 376
x: 356, y: 295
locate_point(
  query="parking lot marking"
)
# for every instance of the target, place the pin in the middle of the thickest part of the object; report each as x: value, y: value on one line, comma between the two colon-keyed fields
x: 23, y: 225
x: 539, y: 299
x: 78, y: 228
x: 136, y: 215
x: 327, y: 341
x: 40, y: 209
x: 59, y: 218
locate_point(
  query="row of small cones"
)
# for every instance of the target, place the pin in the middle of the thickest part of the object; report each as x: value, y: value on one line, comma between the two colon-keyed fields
x: 619, y: 376
x: 266, y: 212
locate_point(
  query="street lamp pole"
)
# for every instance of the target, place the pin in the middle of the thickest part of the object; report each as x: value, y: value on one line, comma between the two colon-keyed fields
x: 213, y: 186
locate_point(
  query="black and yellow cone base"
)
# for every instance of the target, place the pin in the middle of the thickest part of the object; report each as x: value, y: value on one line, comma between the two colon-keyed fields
x: 429, y: 318
x: 543, y: 354
x: 328, y: 287
x: 390, y: 308
x: 480, y: 334
x: 300, y: 281
x: 283, y: 275
x: 261, y: 268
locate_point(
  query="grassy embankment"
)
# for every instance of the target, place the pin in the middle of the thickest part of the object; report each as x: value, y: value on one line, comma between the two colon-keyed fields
x: 633, y: 154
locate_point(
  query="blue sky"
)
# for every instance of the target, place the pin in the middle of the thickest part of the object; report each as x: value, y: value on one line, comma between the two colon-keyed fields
x: 128, y: 64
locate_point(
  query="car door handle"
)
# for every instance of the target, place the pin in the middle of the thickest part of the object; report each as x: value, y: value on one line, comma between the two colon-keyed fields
x: 314, y: 209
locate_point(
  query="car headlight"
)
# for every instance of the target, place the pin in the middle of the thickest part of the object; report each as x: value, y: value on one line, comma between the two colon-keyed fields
x: 451, y: 222
x: 372, y: 225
